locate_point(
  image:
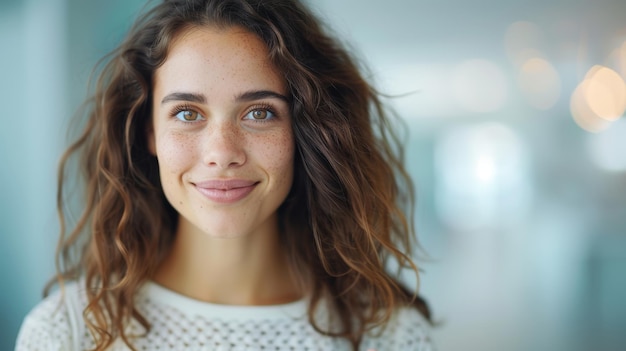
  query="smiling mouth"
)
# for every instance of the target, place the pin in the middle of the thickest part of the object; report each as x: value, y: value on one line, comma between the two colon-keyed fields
x: 226, y: 191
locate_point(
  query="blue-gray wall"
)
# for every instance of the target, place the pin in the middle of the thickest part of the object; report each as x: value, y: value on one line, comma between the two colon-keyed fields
x: 48, y: 49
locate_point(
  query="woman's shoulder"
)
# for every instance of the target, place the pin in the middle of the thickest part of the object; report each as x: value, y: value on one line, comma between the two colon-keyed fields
x: 53, y: 322
x: 407, y: 329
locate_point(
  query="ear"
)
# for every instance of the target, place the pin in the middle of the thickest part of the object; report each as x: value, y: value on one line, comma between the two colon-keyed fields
x: 150, y: 138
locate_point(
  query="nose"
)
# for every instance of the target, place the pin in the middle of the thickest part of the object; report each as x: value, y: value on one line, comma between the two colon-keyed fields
x: 224, y: 146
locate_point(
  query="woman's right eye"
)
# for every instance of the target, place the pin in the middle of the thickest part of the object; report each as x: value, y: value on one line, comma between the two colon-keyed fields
x: 188, y: 116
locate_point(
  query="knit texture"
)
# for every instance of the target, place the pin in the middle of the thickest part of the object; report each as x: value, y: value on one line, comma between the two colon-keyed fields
x: 180, y: 323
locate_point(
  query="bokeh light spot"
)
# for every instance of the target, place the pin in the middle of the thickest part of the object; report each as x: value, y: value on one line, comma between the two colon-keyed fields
x: 582, y: 113
x: 605, y: 92
x: 483, y: 176
x: 540, y: 83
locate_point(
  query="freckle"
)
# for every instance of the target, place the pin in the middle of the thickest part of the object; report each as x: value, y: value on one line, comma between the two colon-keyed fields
x: 180, y: 202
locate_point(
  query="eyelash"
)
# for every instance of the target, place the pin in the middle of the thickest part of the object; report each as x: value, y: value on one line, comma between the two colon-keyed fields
x: 183, y: 108
x: 263, y: 107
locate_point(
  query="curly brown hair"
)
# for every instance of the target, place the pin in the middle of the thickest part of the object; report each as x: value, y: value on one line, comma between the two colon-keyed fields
x: 351, y: 200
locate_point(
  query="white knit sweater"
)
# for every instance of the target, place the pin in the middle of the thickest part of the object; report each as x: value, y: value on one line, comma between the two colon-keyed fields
x: 181, y: 323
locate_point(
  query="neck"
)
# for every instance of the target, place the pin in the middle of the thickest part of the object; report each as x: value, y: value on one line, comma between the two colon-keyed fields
x: 246, y: 270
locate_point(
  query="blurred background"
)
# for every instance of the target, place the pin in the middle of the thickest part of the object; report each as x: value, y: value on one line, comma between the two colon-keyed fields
x: 516, y: 140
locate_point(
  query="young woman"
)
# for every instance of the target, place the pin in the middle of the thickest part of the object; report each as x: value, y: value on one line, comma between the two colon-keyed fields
x: 242, y: 193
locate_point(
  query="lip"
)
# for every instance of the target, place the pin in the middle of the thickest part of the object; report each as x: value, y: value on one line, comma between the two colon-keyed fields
x: 225, y: 191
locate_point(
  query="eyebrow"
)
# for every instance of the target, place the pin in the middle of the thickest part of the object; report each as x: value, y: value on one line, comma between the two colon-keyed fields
x: 191, y: 97
x: 259, y: 95
x: 246, y: 96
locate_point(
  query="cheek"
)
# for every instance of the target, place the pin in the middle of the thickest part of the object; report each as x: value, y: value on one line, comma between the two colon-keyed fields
x: 278, y: 152
x: 175, y: 153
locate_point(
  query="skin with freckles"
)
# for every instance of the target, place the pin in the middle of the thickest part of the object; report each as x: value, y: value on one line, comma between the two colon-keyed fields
x: 221, y: 131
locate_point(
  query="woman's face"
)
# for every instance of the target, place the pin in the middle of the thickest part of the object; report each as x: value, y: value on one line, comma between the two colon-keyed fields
x: 221, y: 131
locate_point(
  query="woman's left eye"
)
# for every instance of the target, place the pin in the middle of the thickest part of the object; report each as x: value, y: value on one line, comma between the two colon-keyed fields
x: 260, y: 114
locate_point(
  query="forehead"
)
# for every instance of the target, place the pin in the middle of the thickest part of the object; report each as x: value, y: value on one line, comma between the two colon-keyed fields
x: 202, y: 57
